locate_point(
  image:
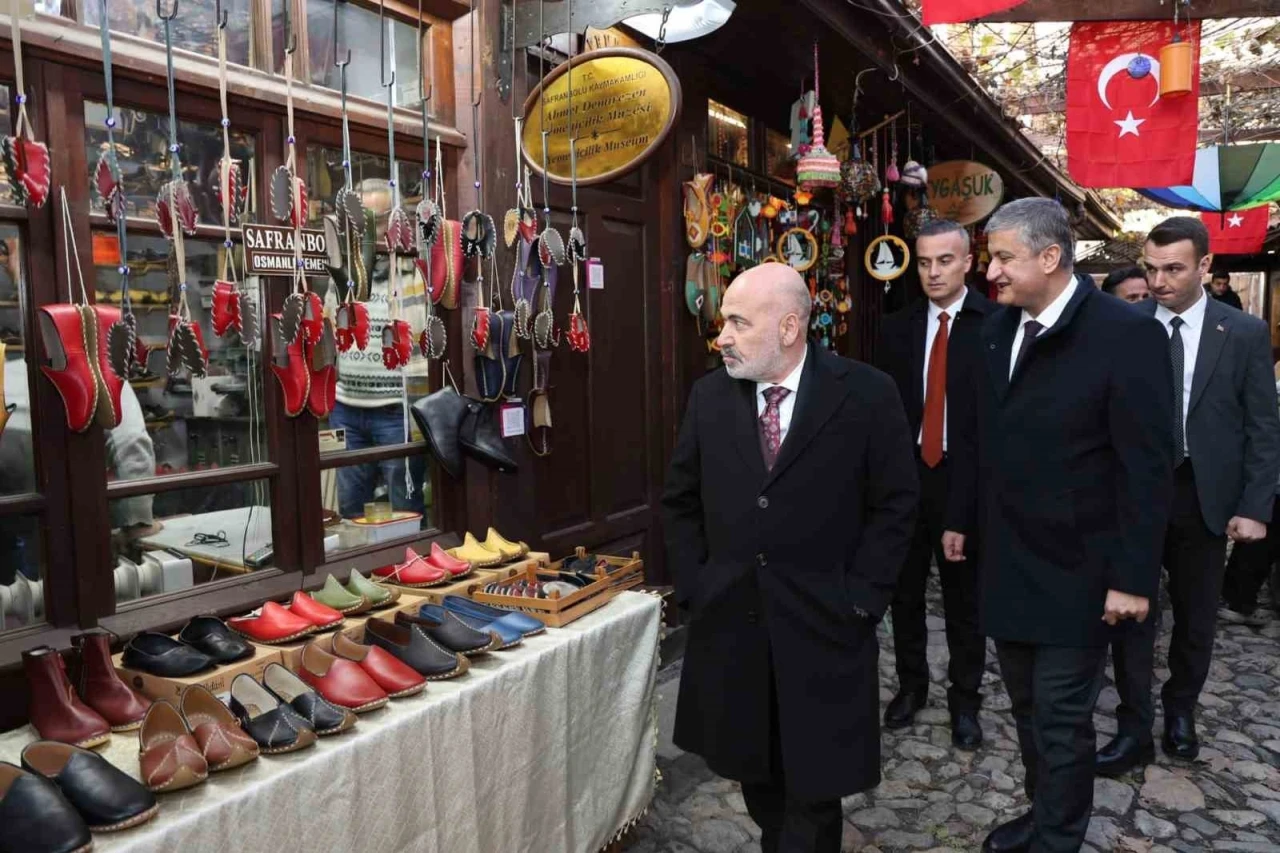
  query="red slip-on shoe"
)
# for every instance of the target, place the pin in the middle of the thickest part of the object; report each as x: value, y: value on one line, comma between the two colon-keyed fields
x: 312, y: 316
x: 323, y: 367
x: 319, y: 615
x: 109, y: 385
x: 413, y: 572
x: 68, y: 343
x: 394, y: 676
x: 290, y: 367
x: 342, y: 682
x: 273, y: 624
x: 442, y: 559
x: 226, y: 307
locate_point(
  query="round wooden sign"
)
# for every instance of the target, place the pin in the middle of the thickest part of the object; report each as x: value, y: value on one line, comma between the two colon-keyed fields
x: 625, y: 102
x: 964, y: 191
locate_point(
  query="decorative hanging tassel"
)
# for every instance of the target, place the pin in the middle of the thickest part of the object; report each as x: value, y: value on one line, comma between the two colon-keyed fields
x: 886, y: 208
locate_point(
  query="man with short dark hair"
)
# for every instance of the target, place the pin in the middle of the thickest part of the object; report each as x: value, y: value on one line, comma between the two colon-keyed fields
x: 1220, y: 289
x: 931, y: 350
x: 1227, y: 458
x: 1075, y: 464
x: 1127, y: 283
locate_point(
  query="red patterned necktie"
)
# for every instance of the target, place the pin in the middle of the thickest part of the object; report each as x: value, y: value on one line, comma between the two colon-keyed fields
x: 935, y: 398
x: 771, y: 424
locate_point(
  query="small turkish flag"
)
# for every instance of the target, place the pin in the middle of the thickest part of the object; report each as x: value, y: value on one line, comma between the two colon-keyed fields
x: 955, y: 11
x: 1237, y: 232
x: 1120, y: 132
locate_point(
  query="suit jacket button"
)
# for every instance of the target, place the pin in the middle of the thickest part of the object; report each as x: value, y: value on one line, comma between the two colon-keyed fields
x: 762, y: 502
x: 752, y: 617
x: 760, y: 560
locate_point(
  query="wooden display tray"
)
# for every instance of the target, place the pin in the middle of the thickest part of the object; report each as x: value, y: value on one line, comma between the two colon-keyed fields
x: 218, y: 681
x: 352, y: 626
x: 436, y: 594
x: 559, y: 611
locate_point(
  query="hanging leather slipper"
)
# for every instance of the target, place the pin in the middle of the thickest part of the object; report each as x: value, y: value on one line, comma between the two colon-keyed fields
x: 109, y: 384
x: 439, y: 417
x: 480, y: 439
x: 697, y: 210
x: 491, y: 362
x: 68, y: 343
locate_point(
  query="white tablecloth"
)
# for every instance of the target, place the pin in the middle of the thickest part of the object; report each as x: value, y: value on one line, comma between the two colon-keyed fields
x: 546, y: 748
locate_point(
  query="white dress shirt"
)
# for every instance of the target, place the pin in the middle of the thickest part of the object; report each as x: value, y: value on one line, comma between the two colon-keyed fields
x: 1046, y: 318
x: 788, y: 404
x: 931, y: 334
x: 1192, y: 327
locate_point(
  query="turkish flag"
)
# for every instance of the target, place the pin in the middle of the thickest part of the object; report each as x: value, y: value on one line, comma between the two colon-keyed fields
x: 1120, y: 132
x: 955, y: 11
x: 1237, y: 232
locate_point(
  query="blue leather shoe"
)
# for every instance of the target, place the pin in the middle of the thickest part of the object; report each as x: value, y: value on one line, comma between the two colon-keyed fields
x: 509, y: 635
x: 525, y: 624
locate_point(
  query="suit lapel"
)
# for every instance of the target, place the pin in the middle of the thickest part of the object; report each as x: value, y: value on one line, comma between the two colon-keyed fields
x: 746, y: 432
x: 997, y: 340
x: 919, y: 328
x: 1082, y: 292
x: 1213, y: 337
x: 820, y: 395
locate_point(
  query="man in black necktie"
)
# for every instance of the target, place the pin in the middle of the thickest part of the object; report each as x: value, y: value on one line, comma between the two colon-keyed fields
x: 1075, y: 464
x: 1227, y: 454
x: 788, y: 508
x: 931, y: 349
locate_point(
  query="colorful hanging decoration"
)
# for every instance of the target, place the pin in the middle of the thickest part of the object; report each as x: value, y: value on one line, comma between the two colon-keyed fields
x: 26, y: 160
x: 578, y: 335
x: 818, y: 167
x: 891, y: 173
x: 228, y: 306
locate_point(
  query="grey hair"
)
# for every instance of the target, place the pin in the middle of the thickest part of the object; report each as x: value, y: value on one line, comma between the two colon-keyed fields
x: 1040, y: 223
x: 939, y: 227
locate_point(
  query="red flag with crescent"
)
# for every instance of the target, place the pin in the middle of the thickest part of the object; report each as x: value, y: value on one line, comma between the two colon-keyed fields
x: 1237, y: 232
x: 1120, y: 131
x: 955, y: 11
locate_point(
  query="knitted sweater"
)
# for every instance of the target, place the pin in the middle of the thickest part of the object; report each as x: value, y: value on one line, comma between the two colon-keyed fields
x: 363, y: 381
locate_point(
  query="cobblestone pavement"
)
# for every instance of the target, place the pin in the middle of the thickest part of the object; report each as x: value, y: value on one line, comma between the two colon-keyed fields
x: 937, y: 798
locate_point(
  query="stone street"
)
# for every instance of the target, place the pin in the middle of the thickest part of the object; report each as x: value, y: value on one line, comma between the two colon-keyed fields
x: 937, y: 798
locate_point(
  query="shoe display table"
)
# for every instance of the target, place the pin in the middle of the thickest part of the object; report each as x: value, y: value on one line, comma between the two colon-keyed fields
x: 549, y: 746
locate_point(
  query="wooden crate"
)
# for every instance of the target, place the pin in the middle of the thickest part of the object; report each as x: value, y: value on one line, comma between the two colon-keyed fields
x: 558, y: 610
x: 216, y: 680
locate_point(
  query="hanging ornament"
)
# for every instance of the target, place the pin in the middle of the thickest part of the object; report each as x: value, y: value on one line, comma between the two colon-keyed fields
x: 26, y: 161
x: 886, y: 208
x: 891, y: 174
x: 227, y: 313
x: 818, y: 167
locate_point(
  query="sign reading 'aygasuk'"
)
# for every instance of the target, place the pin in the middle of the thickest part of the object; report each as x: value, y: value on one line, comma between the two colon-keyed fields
x: 625, y: 102
x: 268, y: 250
x: 964, y: 191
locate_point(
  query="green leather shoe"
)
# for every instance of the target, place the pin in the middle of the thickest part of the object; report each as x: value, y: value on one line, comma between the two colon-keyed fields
x: 378, y: 595
x: 333, y: 595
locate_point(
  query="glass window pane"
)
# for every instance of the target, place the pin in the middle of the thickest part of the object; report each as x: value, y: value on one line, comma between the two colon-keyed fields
x: 368, y: 174
x: 6, y: 129
x: 192, y: 30
x: 21, y: 580
x: 171, y: 426
x: 370, y: 503
x: 142, y: 147
x: 193, y: 536
x: 358, y: 30
x: 727, y: 136
x: 777, y: 156
x: 17, y: 447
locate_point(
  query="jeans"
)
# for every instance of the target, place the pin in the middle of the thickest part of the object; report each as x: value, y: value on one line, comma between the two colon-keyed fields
x: 357, y: 484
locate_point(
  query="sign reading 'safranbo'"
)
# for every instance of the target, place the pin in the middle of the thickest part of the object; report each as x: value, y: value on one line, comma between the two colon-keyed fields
x: 964, y: 191
x: 268, y: 250
x: 625, y: 102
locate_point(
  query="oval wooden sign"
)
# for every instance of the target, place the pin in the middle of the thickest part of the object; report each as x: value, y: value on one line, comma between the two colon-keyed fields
x: 625, y: 102
x: 964, y: 191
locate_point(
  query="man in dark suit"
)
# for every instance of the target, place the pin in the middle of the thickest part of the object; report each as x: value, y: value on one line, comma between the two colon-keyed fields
x: 931, y: 349
x: 1220, y: 289
x: 1227, y: 454
x: 788, y: 509
x: 1075, y: 468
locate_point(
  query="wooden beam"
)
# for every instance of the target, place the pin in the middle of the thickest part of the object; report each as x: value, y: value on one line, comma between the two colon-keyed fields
x: 1131, y: 10
x: 1251, y: 134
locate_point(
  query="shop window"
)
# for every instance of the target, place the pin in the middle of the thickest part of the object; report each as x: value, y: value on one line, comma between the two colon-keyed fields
x: 357, y: 30
x: 728, y: 134
x: 192, y: 30
x: 778, y: 162
x: 17, y: 443
x: 371, y: 503
x: 169, y: 541
x: 21, y: 580
x: 369, y: 173
x: 142, y: 148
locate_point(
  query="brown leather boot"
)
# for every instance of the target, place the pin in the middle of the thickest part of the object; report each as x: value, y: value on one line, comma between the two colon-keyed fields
x: 55, y: 711
x: 102, y: 689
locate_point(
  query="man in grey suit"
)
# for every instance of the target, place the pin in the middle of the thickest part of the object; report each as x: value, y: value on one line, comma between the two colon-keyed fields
x: 1227, y: 452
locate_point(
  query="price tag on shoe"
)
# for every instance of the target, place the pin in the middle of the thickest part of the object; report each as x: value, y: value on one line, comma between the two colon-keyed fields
x: 595, y: 274
x: 512, y: 419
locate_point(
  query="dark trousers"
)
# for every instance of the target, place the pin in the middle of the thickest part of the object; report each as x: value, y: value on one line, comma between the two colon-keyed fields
x: 959, y: 600
x: 1054, y: 689
x: 788, y: 825
x: 1249, y: 566
x: 1194, y: 558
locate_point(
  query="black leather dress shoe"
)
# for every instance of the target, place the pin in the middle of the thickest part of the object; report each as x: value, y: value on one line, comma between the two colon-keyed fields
x: 1180, y: 739
x: 107, y: 798
x: 162, y: 655
x: 1124, y: 753
x: 273, y: 724
x: 411, y: 645
x: 902, y: 710
x: 449, y: 631
x: 1011, y: 837
x: 36, y: 817
x: 215, y: 639
x: 439, y: 416
x: 966, y: 733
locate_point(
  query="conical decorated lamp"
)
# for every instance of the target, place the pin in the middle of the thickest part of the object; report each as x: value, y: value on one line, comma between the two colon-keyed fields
x: 818, y: 167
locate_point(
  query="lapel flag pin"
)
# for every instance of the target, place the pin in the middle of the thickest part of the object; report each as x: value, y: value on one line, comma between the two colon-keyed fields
x: 1220, y: 328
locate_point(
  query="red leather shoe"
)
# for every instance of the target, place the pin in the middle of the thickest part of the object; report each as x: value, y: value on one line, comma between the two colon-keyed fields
x: 56, y: 713
x: 323, y: 366
x: 273, y: 624
x: 342, y: 682
x: 101, y: 687
x: 67, y: 344
x: 398, y: 679
x: 226, y: 307
x: 109, y: 385
x: 353, y: 325
x: 413, y: 572
x: 442, y: 559
x: 312, y: 316
x: 397, y: 344
x: 290, y: 367
x: 319, y: 615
